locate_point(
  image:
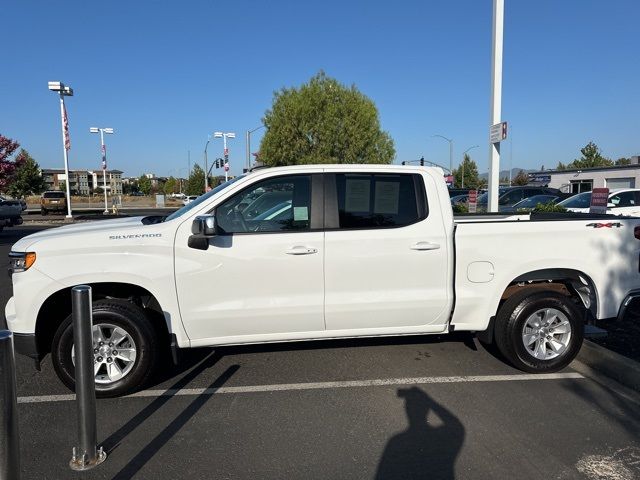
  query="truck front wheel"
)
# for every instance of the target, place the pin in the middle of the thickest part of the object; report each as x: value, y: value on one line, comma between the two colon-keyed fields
x: 125, y: 346
x: 539, y: 332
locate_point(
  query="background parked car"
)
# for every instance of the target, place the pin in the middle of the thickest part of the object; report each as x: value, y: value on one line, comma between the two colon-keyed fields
x: 530, y: 203
x: 509, y: 196
x: 53, y: 201
x: 189, y: 199
x: 621, y: 202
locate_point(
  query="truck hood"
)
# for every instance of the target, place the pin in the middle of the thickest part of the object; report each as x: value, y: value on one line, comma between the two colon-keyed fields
x: 97, y: 226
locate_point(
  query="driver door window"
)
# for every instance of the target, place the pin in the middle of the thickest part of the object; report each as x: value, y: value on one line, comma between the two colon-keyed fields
x: 275, y: 205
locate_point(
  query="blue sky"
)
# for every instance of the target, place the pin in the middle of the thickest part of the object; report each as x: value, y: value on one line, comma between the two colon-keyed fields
x: 165, y: 74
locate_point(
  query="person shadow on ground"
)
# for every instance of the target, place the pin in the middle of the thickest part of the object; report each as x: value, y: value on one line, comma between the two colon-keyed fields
x: 423, y: 451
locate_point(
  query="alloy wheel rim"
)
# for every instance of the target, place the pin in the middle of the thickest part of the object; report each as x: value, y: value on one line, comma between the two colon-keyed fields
x: 546, y: 333
x: 114, y: 353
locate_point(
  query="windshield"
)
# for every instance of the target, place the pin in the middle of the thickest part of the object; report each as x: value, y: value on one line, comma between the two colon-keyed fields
x: 484, y: 197
x: 534, y: 201
x: 582, y: 200
x: 201, y: 199
x: 53, y: 195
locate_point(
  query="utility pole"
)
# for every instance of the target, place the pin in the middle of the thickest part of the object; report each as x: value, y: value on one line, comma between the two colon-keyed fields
x: 496, y: 102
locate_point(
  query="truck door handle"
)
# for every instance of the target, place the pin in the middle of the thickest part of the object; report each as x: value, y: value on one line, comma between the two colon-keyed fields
x: 425, y: 246
x: 301, y: 250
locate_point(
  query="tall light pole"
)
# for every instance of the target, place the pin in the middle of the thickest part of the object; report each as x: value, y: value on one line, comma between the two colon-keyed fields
x: 102, y: 131
x: 206, y: 166
x: 496, y: 102
x: 224, y: 136
x: 450, y: 140
x: 462, y: 163
x: 248, y: 143
x: 64, y: 91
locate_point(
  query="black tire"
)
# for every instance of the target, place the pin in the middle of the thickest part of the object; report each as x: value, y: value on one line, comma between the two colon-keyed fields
x: 510, y: 323
x: 43, y: 211
x: 122, y: 314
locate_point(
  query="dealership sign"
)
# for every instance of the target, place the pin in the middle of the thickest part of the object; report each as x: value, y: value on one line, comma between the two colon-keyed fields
x: 599, y: 200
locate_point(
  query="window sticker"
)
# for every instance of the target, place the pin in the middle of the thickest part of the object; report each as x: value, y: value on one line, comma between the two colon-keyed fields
x: 357, y: 193
x: 300, y: 214
x: 387, y: 198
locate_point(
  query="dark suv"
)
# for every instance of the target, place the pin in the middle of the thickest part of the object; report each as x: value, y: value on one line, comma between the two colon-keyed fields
x: 509, y: 196
x: 54, y: 201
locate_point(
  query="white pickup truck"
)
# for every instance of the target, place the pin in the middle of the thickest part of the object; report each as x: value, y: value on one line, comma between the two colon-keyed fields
x: 318, y: 252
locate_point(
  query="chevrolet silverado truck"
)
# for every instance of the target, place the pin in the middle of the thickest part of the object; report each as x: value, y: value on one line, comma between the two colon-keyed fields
x: 318, y: 252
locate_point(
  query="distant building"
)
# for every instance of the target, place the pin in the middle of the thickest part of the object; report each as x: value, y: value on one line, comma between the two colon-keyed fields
x: 577, y: 180
x: 83, y: 182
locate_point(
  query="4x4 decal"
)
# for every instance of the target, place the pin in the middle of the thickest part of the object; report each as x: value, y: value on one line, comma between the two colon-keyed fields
x: 604, y: 225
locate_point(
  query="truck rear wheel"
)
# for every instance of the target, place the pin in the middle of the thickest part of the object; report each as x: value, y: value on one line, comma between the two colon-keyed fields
x: 539, y: 331
x: 125, y: 347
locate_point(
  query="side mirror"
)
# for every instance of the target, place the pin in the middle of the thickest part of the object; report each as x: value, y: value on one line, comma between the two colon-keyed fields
x: 202, y: 229
x: 204, y: 226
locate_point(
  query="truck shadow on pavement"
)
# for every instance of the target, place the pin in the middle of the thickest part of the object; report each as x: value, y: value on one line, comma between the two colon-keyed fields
x: 423, y: 450
x: 148, y: 451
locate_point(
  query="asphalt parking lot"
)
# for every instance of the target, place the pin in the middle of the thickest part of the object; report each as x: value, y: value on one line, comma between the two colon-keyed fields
x: 414, y: 407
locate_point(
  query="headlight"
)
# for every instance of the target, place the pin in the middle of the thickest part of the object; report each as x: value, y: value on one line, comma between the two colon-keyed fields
x: 21, y: 261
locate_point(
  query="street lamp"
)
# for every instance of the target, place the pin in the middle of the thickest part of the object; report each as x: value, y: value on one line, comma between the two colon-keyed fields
x: 102, y: 131
x: 450, y: 140
x: 224, y: 136
x: 206, y: 166
x: 462, y: 164
x: 64, y: 91
x: 248, y: 142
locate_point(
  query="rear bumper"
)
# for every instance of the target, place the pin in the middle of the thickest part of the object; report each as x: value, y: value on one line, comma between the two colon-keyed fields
x: 631, y: 296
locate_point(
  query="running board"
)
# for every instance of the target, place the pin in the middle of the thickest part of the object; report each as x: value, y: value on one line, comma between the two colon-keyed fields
x: 591, y: 331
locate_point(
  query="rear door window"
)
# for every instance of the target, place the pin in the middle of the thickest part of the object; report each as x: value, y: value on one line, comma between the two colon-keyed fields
x: 379, y: 200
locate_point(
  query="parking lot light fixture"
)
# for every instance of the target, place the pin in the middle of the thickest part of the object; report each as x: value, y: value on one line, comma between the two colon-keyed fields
x: 450, y: 140
x: 102, y: 131
x: 64, y: 91
x: 248, y: 144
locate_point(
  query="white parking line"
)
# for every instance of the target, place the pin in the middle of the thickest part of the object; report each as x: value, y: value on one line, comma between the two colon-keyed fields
x: 286, y: 387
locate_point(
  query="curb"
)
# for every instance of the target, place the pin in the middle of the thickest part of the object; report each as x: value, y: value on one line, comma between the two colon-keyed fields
x: 615, y: 366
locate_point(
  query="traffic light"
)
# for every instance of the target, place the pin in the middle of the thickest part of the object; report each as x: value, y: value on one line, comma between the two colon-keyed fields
x: 422, y: 161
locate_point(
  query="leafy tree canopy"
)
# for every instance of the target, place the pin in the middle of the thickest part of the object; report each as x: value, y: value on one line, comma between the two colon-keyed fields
x: 144, y: 185
x: 195, y: 183
x: 323, y: 121
x: 26, y: 178
x: 7, y: 164
x: 470, y: 170
x: 521, y: 178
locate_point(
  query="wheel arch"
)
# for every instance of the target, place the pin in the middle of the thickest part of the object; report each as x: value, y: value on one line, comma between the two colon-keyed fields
x: 568, y: 281
x: 57, y: 307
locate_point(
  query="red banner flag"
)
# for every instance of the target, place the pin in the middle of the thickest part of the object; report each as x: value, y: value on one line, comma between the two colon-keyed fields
x: 65, y: 122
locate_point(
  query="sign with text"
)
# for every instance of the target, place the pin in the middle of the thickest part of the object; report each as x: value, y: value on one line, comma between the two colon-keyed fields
x: 473, y: 201
x: 599, y: 200
x: 498, y: 132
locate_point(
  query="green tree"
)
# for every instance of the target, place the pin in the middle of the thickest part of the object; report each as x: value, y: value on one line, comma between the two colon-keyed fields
x: 591, y: 157
x: 62, y: 186
x: 26, y: 179
x: 170, y: 186
x: 522, y: 178
x: 144, y: 185
x: 195, y: 182
x: 623, y: 161
x: 323, y: 121
x: 470, y: 170
x: 561, y: 166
